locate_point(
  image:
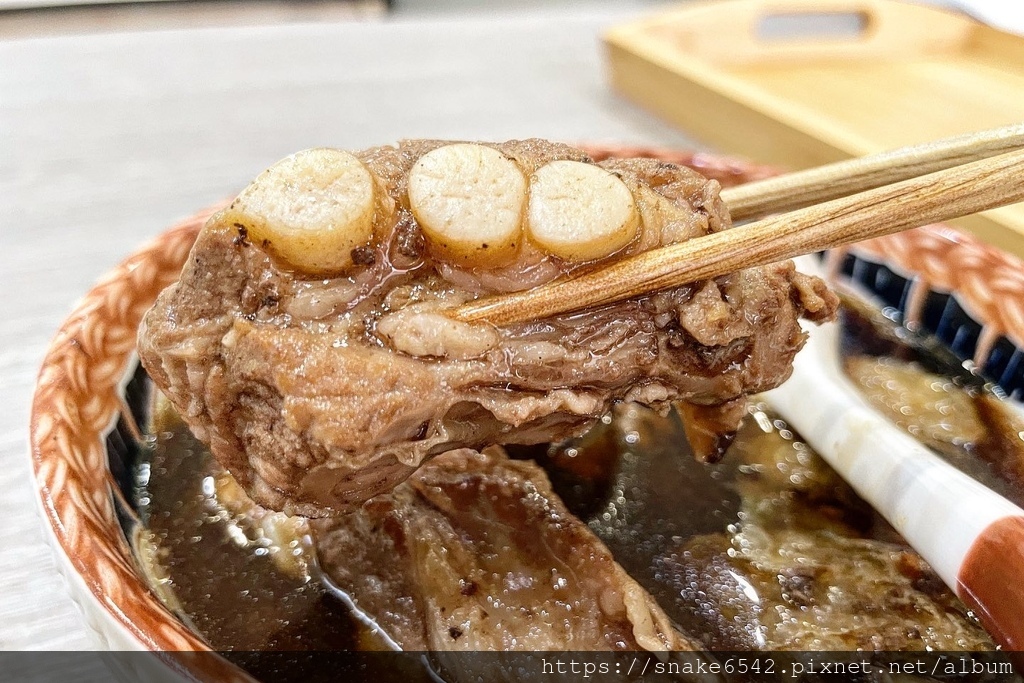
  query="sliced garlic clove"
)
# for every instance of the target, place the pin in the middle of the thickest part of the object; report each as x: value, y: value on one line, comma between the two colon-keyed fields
x: 428, y: 333
x: 579, y: 211
x: 309, y: 210
x: 469, y: 201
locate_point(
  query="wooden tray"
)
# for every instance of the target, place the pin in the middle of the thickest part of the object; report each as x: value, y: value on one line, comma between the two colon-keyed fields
x: 903, y: 74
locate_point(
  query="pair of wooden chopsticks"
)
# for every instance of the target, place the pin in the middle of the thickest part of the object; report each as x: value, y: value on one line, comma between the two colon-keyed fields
x: 842, y: 203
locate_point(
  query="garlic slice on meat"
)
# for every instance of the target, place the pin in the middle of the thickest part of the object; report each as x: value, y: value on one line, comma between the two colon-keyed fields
x: 580, y: 212
x: 309, y: 210
x: 469, y: 201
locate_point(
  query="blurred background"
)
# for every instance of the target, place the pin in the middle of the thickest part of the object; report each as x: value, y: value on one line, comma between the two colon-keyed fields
x: 41, y: 17
x: 119, y: 118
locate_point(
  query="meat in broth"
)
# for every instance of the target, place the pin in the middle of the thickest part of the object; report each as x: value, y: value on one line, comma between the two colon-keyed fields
x: 306, y: 341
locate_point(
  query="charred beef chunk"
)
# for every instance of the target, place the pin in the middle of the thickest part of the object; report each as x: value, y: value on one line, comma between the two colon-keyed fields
x: 474, y: 552
x: 306, y: 342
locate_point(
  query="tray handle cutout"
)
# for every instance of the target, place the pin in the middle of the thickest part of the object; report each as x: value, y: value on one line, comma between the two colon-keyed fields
x: 765, y: 31
x: 818, y: 25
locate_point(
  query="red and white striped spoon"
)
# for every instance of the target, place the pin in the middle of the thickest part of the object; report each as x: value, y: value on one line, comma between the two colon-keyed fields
x: 970, y: 535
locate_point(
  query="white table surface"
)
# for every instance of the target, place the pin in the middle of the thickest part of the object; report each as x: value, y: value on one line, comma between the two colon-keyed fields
x: 108, y: 138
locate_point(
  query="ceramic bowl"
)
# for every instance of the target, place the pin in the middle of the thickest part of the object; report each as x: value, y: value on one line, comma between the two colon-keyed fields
x: 936, y: 279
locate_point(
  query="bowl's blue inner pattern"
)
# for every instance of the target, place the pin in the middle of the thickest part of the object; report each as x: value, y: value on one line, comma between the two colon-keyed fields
x: 943, y: 317
x: 125, y: 443
x: 891, y: 289
x: 1006, y: 363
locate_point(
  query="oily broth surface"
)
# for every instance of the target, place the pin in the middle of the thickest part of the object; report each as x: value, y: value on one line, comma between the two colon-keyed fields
x: 672, y: 522
x: 222, y: 574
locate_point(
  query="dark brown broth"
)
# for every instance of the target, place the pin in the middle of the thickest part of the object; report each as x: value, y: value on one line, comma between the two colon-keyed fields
x: 633, y: 479
x: 229, y: 592
x: 985, y: 436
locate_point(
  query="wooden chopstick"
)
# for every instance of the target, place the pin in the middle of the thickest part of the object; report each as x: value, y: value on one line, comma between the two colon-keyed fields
x: 804, y: 188
x: 959, y: 191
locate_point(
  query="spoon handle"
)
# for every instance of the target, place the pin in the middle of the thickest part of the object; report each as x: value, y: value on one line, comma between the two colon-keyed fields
x: 971, y: 536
